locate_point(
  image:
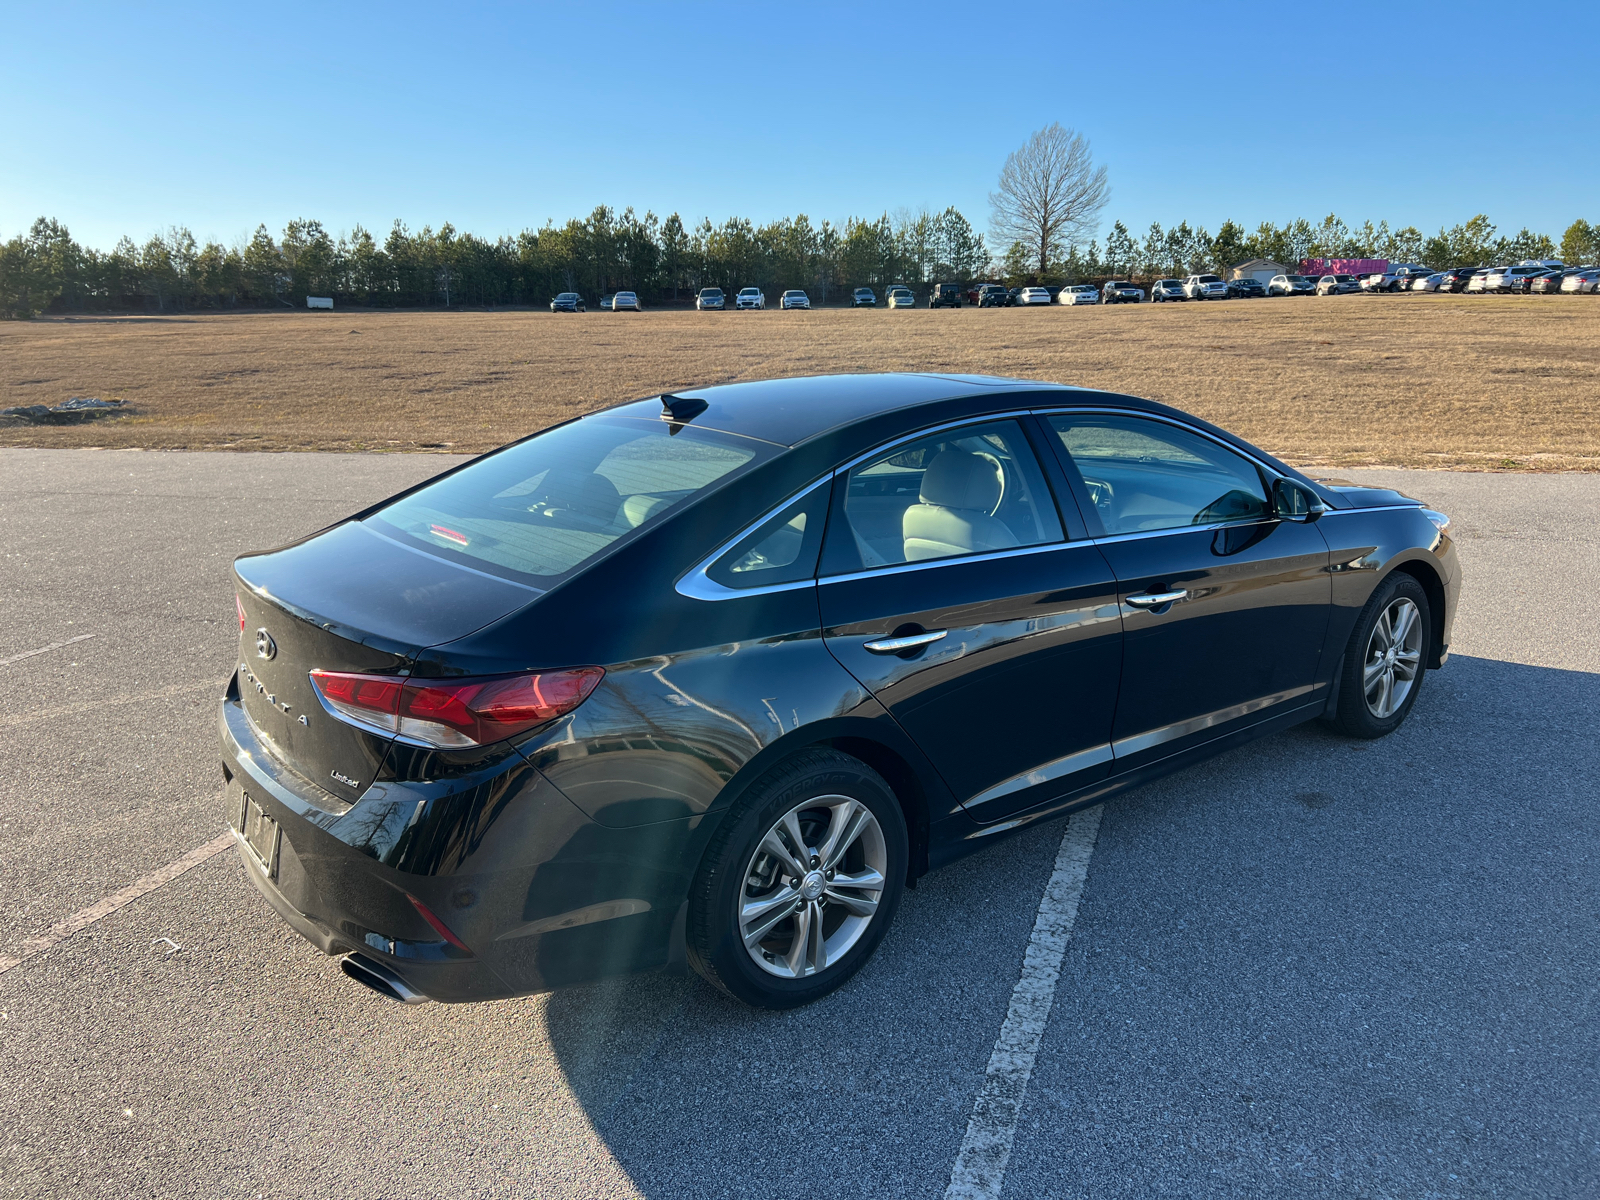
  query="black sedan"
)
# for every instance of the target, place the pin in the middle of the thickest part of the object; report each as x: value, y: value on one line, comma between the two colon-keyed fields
x: 711, y: 678
x: 568, y: 302
x: 1246, y: 287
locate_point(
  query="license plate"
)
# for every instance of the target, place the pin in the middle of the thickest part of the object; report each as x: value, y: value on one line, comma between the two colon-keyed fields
x: 261, y: 833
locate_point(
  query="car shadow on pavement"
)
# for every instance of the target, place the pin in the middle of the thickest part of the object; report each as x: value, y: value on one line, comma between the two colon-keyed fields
x: 1407, y: 850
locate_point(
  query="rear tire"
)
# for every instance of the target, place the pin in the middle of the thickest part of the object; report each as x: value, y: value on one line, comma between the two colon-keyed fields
x: 1385, y: 660
x: 772, y: 920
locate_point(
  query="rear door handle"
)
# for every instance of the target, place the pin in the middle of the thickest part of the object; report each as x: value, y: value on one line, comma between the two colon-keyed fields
x: 895, y: 645
x: 1157, y: 599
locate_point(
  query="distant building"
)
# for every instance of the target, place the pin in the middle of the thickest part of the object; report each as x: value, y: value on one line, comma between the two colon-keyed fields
x: 320, y: 302
x: 1258, y: 268
x: 1343, y: 266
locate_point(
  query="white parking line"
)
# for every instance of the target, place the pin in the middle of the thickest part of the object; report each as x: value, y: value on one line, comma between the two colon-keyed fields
x: 82, y: 637
x: 67, y: 710
x: 980, y: 1166
x: 139, y: 887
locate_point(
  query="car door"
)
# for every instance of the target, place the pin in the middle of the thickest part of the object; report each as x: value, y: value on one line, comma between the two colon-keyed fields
x: 1225, y: 605
x: 949, y: 590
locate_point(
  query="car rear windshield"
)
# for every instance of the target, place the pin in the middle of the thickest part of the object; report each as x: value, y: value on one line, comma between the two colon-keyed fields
x: 541, y: 509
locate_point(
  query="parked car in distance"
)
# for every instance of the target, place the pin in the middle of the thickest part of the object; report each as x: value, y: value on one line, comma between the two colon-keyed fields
x: 1246, y: 287
x: 794, y: 298
x: 568, y: 302
x: 750, y: 298
x: 993, y: 295
x: 864, y: 298
x: 945, y: 295
x: 1030, y: 296
x: 1205, y: 287
x: 1120, y: 291
x: 1511, y: 279
x: 1583, y: 280
x: 1523, y: 284
x: 1427, y: 283
x: 507, y: 731
x: 1478, y: 284
x: 1338, y: 285
x: 1397, y: 278
x: 1291, y: 285
x: 1456, y: 280
x: 1079, y: 293
x: 901, y: 297
x: 605, y: 302
x: 710, y: 300
x: 625, y: 302
x: 1167, y: 289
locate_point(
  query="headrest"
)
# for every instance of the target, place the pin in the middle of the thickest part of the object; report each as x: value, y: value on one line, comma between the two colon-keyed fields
x: 959, y: 479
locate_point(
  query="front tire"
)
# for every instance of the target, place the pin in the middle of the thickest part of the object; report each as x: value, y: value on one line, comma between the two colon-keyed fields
x: 800, y: 882
x: 1385, y: 660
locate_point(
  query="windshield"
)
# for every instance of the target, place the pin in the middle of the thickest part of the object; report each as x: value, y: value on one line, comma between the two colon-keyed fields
x: 567, y: 296
x: 1209, y: 279
x: 751, y: 292
x: 1295, y: 278
x: 540, y: 509
x: 792, y: 295
x: 711, y: 291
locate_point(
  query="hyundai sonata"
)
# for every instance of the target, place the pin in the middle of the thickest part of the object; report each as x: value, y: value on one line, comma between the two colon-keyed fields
x: 711, y: 678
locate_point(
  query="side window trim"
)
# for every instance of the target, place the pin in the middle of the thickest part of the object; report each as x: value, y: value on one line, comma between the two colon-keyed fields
x: 1080, y: 491
x: 1071, y: 530
x: 697, y: 584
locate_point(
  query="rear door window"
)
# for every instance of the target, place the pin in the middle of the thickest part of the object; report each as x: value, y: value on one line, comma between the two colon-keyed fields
x: 544, y: 508
x: 972, y: 490
x: 1146, y: 475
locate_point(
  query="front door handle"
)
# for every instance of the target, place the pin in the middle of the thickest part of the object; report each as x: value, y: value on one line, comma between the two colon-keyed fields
x: 897, y: 645
x: 1157, y: 599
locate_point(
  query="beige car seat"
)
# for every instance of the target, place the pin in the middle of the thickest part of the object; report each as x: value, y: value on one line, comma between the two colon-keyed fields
x: 955, y: 515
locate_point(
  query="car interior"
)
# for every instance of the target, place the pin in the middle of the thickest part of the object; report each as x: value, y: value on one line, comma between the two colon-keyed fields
x: 1144, y: 475
x: 969, y: 492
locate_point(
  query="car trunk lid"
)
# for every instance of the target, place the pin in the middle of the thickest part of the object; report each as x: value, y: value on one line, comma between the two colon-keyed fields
x: 346, y: 600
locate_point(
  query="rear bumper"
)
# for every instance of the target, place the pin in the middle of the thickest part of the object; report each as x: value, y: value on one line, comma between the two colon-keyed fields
x: 543, y: 896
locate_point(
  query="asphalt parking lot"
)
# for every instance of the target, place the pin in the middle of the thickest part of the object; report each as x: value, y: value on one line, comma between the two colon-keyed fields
x: 1309, y: 968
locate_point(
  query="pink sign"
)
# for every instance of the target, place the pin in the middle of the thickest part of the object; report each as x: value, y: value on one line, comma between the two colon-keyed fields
x: 1343, y: 266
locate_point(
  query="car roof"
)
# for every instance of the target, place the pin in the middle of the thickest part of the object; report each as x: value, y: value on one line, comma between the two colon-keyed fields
x: 789, y: 411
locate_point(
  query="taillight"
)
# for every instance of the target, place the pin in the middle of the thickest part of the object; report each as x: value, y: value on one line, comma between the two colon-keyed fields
x: 239, y: 604
x: 455, y: 713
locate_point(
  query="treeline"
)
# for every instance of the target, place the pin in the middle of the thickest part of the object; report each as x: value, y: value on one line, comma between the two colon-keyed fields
x: 1184, y: 251
x: 46, y: 270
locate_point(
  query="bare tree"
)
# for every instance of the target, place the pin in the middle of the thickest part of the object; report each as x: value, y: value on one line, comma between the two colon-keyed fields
x: 1050, y: 193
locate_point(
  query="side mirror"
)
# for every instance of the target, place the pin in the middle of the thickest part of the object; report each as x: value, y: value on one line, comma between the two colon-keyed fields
x: 1292, y: 502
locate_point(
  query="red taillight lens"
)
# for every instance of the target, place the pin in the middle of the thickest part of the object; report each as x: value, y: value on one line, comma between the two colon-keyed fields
x: 455, y: 713
x: 239, y: 604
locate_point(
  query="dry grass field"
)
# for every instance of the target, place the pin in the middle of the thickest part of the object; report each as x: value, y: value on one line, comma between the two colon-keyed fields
x: 1429, y: 381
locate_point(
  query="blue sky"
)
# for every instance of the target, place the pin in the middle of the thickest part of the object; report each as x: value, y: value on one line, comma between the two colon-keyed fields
x: 129, y: 118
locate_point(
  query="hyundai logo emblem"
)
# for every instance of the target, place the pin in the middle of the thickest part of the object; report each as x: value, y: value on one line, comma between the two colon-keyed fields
x: 265, y: 646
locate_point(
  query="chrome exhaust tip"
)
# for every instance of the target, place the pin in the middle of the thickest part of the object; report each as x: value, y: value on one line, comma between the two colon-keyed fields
x: 380, y: 979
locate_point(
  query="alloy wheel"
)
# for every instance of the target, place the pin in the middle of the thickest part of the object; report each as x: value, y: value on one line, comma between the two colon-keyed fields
x: 1393, y: 658
x: 812, y: 887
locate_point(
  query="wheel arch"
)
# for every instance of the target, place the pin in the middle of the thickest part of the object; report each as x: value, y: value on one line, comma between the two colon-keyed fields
x: 1433, y: 587
x: 878, y: 743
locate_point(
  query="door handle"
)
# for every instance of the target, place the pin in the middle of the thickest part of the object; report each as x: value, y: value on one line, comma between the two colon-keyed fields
x: 1157, y: 599
x: 911, y: 641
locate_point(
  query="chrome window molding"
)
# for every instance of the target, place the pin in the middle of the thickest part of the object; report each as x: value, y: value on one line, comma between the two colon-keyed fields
x: 697, y: 585
x: 924, y: 564
x: 985, y: 419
